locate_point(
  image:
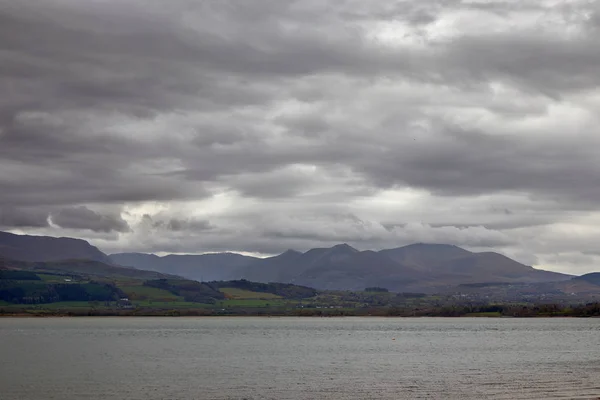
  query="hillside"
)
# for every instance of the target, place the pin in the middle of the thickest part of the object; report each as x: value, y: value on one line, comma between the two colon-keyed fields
x: 593, y: 278
x: 46, y: 248
x: 88, y: 268
x: 425, y: 256
x: 491, y: 267
x: 451, y: 264
x: 40, y: 289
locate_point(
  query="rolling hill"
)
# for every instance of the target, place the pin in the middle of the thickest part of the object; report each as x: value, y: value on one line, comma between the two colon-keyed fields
x: 592, y: 278
x: 489, y: 266
x: 89, y: 268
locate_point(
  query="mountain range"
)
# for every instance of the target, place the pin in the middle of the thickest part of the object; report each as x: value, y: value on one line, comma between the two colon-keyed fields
x: 416, y: 267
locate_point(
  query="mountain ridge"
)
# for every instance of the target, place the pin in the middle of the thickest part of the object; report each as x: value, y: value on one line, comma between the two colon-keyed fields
x: 82, y: 267
x: 202, y: 267
x: 419, y: 266
x: 47, y: 248
x: 415, y: 267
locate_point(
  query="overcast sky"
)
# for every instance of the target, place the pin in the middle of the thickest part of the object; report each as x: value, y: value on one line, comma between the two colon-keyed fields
x: 196, y: 126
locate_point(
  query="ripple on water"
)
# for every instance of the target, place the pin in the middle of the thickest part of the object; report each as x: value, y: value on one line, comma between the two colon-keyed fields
x: 299, y: 358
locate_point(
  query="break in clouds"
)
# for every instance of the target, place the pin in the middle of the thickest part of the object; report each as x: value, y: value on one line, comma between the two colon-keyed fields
x: 199, y: 126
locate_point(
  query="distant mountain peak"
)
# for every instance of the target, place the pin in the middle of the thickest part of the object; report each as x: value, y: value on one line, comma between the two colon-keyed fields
x: 432, y: 245
x: 345, y: 247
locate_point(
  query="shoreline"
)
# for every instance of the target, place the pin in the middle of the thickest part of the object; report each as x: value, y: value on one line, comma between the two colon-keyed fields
x: 18, y: 316
x: 63, y: 310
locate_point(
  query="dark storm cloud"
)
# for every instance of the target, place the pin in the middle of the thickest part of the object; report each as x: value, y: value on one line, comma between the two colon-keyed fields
x: 302, y: 111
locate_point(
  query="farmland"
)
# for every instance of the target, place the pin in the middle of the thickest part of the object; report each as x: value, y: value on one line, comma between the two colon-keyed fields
x: 47, y: 292
x: 235, y: 293
x: 144, y: 293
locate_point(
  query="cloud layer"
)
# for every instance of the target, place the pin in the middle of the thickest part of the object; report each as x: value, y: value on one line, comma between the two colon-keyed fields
x: 259, y: 126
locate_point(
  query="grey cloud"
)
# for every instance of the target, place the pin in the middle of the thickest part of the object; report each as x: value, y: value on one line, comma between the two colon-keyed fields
x: 166, y: 223
x: 301, y: 111
x: 193, y: 224
x: 542, y: 64
x: 475, y: 163
x: 12, y: 217
x: 276, y: 232
x: 84, y: 218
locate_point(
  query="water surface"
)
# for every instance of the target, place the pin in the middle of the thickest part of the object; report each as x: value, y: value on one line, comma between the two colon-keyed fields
x: 298, y: 358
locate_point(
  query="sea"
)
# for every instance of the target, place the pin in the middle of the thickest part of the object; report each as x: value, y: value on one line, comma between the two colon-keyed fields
x: 170, y: 358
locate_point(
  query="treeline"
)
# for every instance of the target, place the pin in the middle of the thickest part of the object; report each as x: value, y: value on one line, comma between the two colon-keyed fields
x: 582, y: 311
x: 367, y: 298
x: 40, y: 293
x: 192, y: 291
x: 545, y: 310
x: 488, y: 284
x: 376, y: 289
x: 503, y: 310
x: 18, y: 275
x: 285, y: 290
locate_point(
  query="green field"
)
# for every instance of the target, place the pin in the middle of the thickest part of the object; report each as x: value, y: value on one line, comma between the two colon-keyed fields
x: 235, y: 293
x: 55, y: 278
x: 144, y: 293
x: 170, y: 304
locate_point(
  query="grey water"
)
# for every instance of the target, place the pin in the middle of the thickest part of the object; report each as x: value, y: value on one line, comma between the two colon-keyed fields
x: 298, y: 358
